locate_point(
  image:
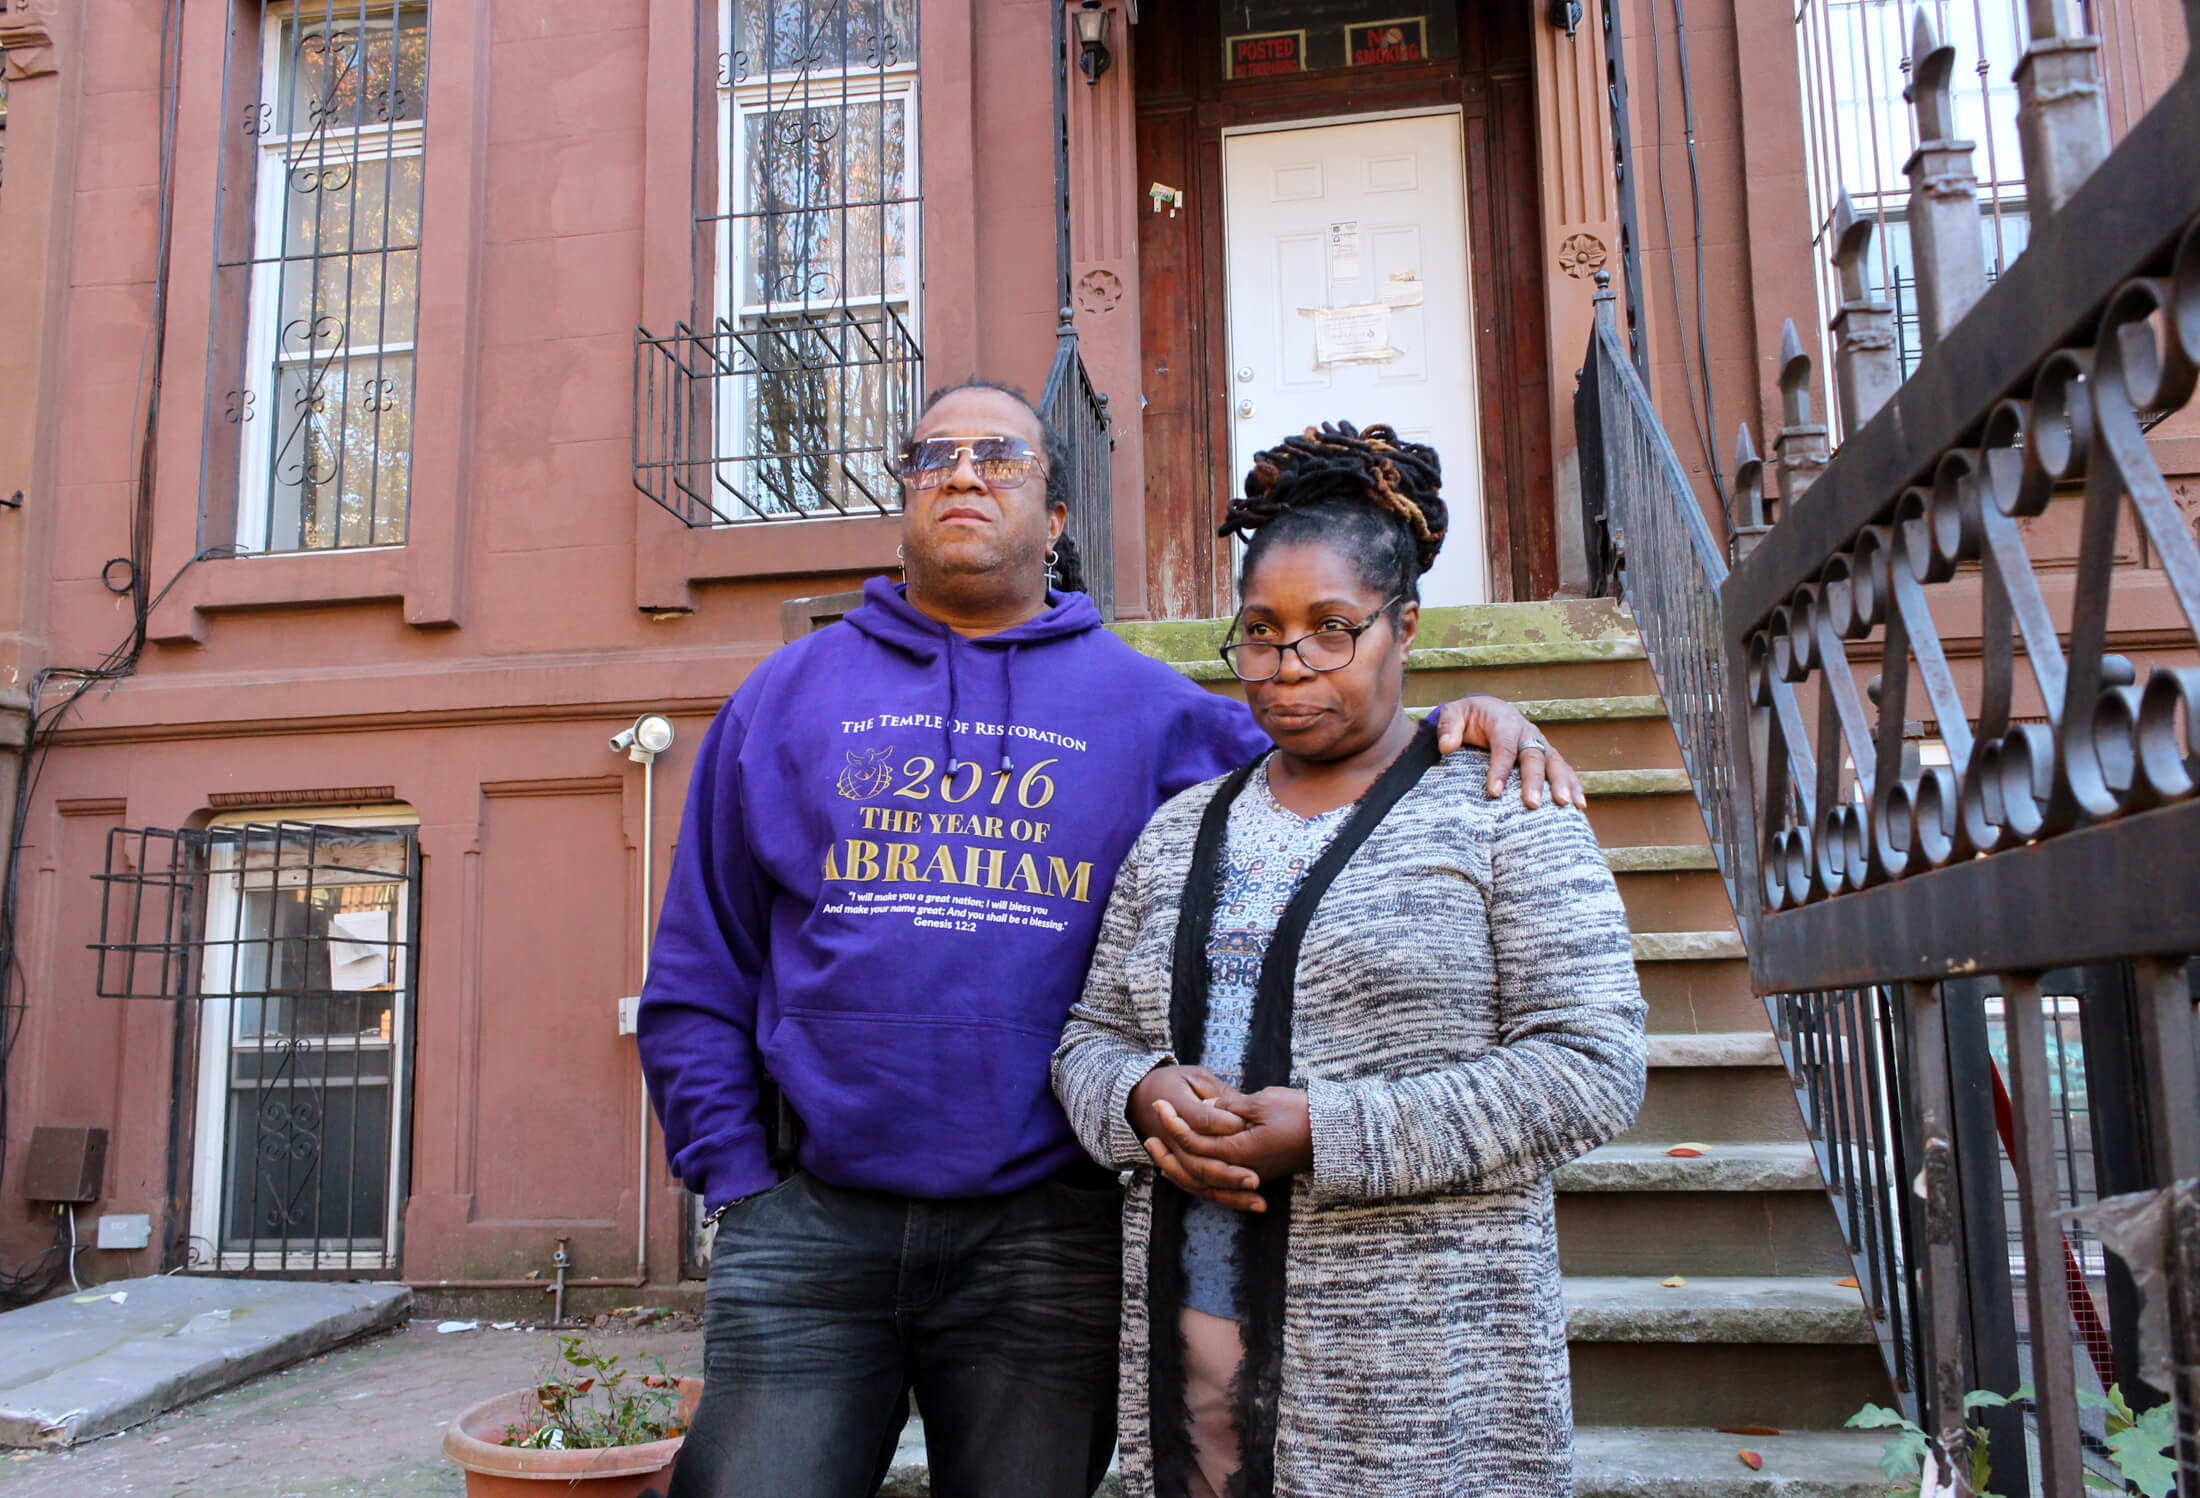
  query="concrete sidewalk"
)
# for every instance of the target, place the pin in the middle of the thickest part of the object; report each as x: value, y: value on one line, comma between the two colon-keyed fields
x: 365, y: 1421
x: 87, y: 1365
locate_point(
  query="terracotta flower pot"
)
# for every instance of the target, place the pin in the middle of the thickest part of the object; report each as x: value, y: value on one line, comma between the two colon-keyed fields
x: 498, y: 1471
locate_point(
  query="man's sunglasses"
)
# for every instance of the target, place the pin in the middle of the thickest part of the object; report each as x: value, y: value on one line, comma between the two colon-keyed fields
x: 1002, y: 462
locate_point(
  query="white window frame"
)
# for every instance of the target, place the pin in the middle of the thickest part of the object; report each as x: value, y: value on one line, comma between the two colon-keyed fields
x: 275, y: 157
x: 762, y: 92
x: 210, y: 1137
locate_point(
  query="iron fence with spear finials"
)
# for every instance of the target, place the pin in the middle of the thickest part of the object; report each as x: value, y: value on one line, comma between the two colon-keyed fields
x: 1953, y: 773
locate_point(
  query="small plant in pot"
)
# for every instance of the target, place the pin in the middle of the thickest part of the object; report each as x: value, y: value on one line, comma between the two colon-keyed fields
x: 597, y: 1427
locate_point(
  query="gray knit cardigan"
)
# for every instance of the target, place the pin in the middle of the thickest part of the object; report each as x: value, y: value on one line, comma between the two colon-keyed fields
x: 1467, y: 1020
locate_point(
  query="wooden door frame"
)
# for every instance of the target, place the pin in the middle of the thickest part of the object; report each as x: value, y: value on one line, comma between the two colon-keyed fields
x: 1183, y: 106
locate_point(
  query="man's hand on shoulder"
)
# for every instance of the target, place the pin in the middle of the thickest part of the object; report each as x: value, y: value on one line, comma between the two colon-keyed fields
x: 1496, y: 725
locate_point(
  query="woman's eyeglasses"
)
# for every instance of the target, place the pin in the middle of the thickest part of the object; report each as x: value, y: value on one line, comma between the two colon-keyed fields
x: 1002, y: 462
x: 1324, y: 650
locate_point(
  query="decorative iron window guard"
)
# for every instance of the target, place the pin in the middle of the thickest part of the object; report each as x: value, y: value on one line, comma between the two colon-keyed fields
x: 295, y: 943
x: 309, y: 398
x: 793, y: 420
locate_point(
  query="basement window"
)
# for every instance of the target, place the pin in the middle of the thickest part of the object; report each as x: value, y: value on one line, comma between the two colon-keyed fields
x: 295, y: 942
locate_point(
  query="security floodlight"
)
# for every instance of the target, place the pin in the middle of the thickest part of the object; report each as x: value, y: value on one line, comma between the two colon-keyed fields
x: 650, y: 736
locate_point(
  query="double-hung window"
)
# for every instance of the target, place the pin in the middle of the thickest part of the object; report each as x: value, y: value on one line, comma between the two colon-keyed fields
x: 817, y: 249
x: 323, y: 407
x: 1859, y: 130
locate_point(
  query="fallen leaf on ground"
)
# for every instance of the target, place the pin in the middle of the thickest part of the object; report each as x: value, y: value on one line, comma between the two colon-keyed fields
x: 1673, y: 1282
x: 1849, y: 1283
x: 1751, y: 1459
x: 1749, y: 1430
x: 1689, y: 1151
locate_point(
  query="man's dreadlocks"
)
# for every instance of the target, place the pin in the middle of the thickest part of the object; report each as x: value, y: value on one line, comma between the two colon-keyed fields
x: 1366, y: 494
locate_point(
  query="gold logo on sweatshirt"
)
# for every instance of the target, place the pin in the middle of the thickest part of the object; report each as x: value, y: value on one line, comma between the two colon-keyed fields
x: 869, y: 775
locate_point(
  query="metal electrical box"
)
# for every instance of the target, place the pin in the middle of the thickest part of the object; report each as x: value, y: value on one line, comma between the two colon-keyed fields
x: 66, y: 1165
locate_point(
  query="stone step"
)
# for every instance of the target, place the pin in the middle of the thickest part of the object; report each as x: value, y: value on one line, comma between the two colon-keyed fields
x: 1662, y: 858
x: 1734, y: 1166
x: 1699, y: 995
x: 1610, y: 783
x: 1783, y: 1309
x: 1674, y: 899
x: 1558, y: 628
x: 1739, y: 1208
x: 1483, y: 661
x: 1780, y: 1350
x: 1689, y: 946
x: 1438, y: 676
x: 1623, y: 1461
x: 1729, y: 1101
x: 1715, y: 1048
x: 1632, y: 818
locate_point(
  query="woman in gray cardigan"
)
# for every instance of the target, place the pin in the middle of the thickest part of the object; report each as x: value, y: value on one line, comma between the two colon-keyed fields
x: 1345, y: 1017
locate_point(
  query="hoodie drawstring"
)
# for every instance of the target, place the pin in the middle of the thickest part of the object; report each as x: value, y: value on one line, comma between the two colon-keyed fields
x: 947, y: 728
x: 1008, y: 707
x: 1007, y: 761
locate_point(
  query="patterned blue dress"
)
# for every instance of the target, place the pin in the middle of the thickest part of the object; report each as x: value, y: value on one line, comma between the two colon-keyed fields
x: 1267, y: 853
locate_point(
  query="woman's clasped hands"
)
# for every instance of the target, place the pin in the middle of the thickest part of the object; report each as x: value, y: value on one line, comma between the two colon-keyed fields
x: 1214, y: 1142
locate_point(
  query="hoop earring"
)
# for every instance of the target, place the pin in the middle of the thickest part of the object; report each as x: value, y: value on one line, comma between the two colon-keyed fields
x: 1052, y: 560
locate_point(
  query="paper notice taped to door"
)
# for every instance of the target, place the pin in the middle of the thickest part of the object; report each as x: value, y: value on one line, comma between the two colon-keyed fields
x: 1344, y: 251
x: 1402, y: 288
x: 1358, y: 334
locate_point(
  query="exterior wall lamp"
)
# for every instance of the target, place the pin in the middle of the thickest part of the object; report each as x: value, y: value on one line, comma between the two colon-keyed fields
x: 650, y: 736
x: 1564, y: 14
x: 1093, y: 56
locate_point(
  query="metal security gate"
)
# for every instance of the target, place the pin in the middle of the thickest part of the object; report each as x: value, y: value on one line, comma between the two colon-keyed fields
x: 296, y: 941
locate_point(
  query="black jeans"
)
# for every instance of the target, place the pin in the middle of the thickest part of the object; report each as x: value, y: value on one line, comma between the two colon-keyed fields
x: 828, y: 1308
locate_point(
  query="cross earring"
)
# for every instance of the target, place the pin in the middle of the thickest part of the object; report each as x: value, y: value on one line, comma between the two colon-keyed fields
x: 1051, y: 561
x: 901, y: 564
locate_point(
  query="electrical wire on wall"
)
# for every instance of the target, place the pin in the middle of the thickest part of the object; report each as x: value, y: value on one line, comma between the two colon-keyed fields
x: 125, y: 576
x: 1706, y: 419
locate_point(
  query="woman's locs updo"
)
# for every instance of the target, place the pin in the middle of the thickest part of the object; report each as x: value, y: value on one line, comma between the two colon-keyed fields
x: 1365, y: 494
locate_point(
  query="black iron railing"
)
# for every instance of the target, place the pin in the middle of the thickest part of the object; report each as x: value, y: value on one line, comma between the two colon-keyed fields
x: 1078, y: 414
x: 2060, y: 825
x: 1648, y: 541
x: 1967, y: 885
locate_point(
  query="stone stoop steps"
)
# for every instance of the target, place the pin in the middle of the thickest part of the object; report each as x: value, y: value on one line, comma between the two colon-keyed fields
x: 1761, y: 1332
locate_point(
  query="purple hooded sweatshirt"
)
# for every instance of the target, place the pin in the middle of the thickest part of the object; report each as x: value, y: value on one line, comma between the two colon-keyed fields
x: 897, y: 847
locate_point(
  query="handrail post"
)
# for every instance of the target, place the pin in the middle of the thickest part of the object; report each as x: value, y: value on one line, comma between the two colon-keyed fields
x: 1944, y: 220
x: 1867, y: 369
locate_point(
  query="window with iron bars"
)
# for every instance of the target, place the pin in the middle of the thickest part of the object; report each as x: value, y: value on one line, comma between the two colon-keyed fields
x: 317, y: 277
x: 1858, y: 132
x: 295, y: 943
x: 789, y: 405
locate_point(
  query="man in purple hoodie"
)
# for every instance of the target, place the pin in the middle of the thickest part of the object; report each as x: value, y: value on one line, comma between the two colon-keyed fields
x: 899, y: 839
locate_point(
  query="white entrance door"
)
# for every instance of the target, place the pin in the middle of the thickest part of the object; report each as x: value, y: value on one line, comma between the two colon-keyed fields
x: 1351, y: 240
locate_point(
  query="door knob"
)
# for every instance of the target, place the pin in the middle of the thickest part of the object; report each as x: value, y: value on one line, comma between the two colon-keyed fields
x: 1245, y: 410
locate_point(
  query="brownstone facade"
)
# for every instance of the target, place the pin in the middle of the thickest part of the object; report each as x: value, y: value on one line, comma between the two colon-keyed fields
x: 551, y: 174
